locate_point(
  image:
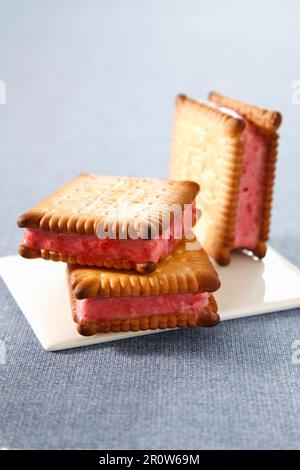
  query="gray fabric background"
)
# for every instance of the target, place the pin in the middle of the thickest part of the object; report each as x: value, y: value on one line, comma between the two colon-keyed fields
x: 91, y: 87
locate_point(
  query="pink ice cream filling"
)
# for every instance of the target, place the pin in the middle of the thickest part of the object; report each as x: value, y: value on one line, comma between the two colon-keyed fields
x: 91, y: 248
x: 97, y: 309
x: 249, y: 209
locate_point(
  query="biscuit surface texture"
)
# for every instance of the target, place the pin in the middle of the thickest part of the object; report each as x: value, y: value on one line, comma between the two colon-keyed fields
x: 89, y: 200
x: 208, y: 144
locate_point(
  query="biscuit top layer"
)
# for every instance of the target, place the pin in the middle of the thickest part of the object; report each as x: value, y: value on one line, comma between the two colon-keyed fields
x: 88, y: 200
x: 183, y: 271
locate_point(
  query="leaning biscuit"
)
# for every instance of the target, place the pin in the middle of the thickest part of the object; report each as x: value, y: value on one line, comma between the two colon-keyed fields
x: 114, y: 222
x: 177, y: 294
x: 230, y: 148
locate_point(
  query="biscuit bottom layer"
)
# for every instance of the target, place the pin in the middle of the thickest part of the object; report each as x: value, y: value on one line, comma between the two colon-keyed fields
x: 122, y: 308
x: 249, y: 209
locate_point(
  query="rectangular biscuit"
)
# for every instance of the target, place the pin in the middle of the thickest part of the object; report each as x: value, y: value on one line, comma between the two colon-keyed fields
x: 230, y: 148
x: 64, y: 227
x: 178, y: 293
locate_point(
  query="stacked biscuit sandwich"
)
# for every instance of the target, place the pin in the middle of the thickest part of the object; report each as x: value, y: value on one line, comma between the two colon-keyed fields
x: 132, y: 261
x: 128, y: 264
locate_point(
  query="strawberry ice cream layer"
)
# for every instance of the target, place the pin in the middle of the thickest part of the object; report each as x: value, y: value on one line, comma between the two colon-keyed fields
x: 91, y: 248
x: 122, y: 308
x: 249, y: 209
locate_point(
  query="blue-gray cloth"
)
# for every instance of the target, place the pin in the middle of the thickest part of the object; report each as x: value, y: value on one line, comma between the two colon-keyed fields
x: 90, y: 86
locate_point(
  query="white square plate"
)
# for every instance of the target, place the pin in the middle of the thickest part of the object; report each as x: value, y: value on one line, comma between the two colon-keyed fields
x: 248, y: 288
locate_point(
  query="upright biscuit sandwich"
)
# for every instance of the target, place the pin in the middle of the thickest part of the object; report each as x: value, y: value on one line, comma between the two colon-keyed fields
x: 115, y: 222
x: 230, y: 149
x: 177, y: 294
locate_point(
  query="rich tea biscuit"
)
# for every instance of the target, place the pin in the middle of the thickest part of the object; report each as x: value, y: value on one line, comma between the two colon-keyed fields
x: 209, y: 142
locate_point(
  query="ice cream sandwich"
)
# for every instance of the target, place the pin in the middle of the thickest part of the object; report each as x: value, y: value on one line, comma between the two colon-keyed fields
x: 230, y: 149
x: 178, y: 294
x: 112, y: 222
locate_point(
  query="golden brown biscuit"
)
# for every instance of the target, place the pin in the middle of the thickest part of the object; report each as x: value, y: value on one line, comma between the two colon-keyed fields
x: 184, y: 272
x: 80, y: 205
x: 208, y: 143
x: 89, y: 202
x: 268, y: 123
